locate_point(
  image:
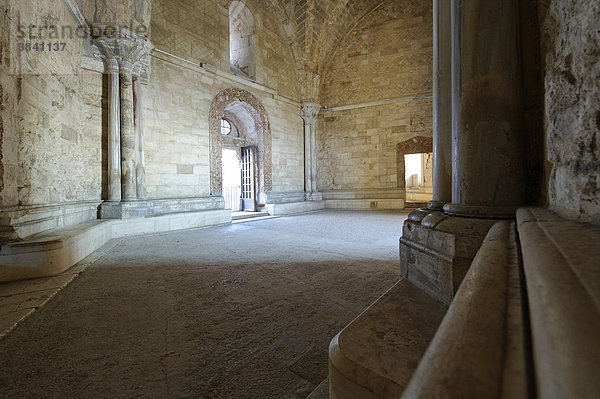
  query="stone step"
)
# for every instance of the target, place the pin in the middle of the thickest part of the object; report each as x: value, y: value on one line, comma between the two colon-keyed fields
x: 321, y: 391
x: 247, y: 215
x: 376, y: 355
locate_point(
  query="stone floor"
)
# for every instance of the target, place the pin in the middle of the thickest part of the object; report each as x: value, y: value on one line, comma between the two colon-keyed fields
x: 238, y: 311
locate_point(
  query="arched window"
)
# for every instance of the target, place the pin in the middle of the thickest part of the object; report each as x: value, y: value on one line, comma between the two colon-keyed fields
x: 242, y: 52
x: 225, y: 127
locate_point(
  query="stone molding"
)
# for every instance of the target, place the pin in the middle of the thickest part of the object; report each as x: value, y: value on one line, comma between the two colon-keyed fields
x: 262, y: 139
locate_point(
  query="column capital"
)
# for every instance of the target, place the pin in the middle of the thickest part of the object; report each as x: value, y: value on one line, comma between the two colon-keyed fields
x: 123, y: 51
x: 309, y: 112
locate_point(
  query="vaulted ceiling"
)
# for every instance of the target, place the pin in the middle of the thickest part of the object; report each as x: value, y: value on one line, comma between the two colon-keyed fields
x: 316, y: 27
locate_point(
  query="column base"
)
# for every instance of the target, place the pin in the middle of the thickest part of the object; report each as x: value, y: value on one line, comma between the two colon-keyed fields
x: 313, y: 196
x: 436, y: 250
x: 436, y: 205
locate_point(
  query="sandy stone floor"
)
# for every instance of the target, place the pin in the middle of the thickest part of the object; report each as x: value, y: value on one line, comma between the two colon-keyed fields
x: 239, y: 311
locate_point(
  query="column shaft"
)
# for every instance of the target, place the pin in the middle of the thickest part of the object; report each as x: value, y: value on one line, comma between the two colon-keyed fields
x: 307, y: 159
x: 488, y: 144
x: 128, y: 184
x: 140, y: 171
x: 442, y: 104
x: 114, y: 138
x: 313, y: 157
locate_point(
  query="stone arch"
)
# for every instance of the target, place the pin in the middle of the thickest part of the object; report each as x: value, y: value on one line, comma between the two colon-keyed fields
x: 415, y: 145
x: 254, y: 126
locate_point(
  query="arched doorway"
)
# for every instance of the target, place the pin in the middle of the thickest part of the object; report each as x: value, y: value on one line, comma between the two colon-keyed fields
x: 252, y: 143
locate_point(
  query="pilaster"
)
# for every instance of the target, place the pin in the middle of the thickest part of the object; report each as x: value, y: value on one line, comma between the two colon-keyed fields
x: 126, y: 59
x: 309, y: 114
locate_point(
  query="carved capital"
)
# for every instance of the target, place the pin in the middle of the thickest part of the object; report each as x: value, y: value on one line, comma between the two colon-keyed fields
x: 310, y: 112
x: 123, y: 51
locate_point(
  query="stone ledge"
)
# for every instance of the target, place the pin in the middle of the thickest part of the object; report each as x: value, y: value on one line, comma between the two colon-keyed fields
x: 20, y: 222
x: 158, y: 207
x: 293, y: 207
x: 562, y: 271
x: 52, y: 252
x: 364, y: 194
x: 479, y: 348
x: 364, y: 204
x: 376, y: 354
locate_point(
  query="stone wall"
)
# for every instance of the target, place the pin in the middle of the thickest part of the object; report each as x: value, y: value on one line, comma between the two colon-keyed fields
x: 199, y: 31
x: 176, y: 129
x: 51, y: 139
x: 385, y: 60
x: 571, y: 51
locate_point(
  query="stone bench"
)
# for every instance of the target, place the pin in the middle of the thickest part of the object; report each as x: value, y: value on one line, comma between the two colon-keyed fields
x: 54, y: 251
x: 524, y: 323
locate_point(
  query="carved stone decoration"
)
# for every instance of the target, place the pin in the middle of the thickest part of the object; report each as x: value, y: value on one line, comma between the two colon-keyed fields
x: 126, y: 58
x: 124, y: 52
x: 261, y: 138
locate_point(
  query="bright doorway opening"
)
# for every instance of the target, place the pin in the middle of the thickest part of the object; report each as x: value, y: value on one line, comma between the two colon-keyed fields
x: 419, y: 177
x: 232, y: 180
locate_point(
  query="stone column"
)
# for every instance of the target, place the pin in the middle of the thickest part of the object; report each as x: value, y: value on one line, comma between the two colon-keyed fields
x: 442, y: 105
x: 488, y: 139
x: 114, y: 133
x: 124, y: 53
x: 309, y: 115
x: 307, y: 156
x: 140, y: 171
x: 128, y: 178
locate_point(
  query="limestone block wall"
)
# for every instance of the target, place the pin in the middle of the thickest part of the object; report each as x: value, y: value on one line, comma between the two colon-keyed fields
x: 287, y: 137
x: 382, y: 73
x: 357, y: 147
x: 51, y: 145
x: 199, y: 31
x: 176, y: 129
x: 571, y: 48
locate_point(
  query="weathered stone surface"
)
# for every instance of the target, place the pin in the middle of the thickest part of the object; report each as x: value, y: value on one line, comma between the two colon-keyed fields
x: 387, y: 55
x: 375, y: 356
x: 464, y: 361
x: 358, y: 147
x: 571, y: 45
x: 199, y: 31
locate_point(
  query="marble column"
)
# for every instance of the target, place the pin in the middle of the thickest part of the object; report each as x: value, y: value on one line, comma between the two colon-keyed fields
x: 114, y: 133
x: 128, y: 178
x: 140, y: 171
x: 442, y: 105
x: 309, y: 115
x: 489, y: 173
